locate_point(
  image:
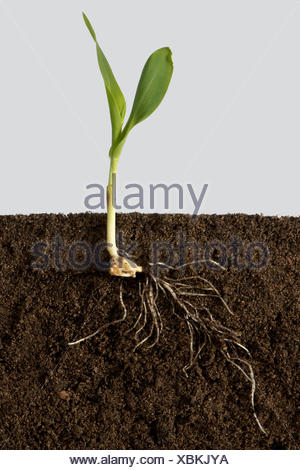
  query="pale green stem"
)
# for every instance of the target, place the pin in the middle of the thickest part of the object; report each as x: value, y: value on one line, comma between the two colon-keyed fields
x: 111, y: 211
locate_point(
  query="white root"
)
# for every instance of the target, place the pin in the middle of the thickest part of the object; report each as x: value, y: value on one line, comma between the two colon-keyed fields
x: 115, y: 322
x: 182, y: 294
x: 177, y: 292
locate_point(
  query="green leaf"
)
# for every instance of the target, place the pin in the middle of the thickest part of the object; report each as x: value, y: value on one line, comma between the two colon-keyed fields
x: 152, y: 87
x: 116, y: 100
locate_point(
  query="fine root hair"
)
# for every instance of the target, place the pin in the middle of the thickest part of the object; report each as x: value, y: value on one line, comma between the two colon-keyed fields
x: 106, y: 325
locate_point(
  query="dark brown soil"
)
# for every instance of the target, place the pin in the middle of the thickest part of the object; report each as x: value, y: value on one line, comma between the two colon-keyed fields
x: 101, y: 395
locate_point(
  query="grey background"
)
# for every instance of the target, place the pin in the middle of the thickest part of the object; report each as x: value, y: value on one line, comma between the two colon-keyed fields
x: 230, y: 119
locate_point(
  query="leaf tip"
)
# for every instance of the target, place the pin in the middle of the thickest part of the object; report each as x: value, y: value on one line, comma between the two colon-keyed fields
x: 170, y: 56
x: 167, y: 53
x: 84, y: 17
x: 89, y: 26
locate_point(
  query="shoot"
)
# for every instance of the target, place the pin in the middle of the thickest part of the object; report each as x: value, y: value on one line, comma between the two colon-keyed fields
x: 152, y: 87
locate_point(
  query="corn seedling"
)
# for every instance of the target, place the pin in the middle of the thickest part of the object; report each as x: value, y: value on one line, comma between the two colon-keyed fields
x: 152, y: 87
x: 186, y: 295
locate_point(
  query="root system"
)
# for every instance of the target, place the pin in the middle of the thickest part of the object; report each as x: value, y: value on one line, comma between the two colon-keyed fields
x: 187, y: 297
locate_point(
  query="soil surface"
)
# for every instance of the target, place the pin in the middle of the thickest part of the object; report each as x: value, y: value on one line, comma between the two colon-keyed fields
x: 102, y: 395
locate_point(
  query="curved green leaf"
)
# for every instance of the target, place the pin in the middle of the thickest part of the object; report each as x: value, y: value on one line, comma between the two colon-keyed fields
x: 152, y: 87
x: 116, y: 100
